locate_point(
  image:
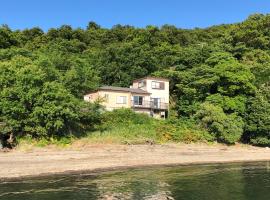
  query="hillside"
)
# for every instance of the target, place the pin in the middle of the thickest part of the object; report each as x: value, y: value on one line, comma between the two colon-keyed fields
x: 220, y: 77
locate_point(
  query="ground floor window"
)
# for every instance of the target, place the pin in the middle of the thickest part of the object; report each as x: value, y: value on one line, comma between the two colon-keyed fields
x: 121, y: 100
x: 106, y: 97
x: 156, y: 102
x: 138, y: 100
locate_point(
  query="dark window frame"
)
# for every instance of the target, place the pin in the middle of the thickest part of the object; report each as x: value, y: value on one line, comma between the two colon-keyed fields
x: 161, y: 85
x: 139, y: 101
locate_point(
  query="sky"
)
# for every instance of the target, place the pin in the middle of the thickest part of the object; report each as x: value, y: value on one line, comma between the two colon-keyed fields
x: 21, y: 14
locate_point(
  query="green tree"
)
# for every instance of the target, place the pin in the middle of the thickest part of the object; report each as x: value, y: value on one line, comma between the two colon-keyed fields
x: 226, y: 128
x: 219, y: 66
x: 31, y: 102
x: 258, y: 117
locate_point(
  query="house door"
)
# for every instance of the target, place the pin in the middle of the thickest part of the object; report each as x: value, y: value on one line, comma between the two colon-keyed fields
x: 156, y: 102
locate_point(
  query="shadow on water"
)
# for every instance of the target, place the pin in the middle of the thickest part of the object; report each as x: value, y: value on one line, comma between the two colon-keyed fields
x: 216, y: 181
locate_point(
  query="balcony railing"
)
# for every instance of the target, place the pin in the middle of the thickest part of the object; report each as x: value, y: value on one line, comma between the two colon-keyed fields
x: 150, y: 105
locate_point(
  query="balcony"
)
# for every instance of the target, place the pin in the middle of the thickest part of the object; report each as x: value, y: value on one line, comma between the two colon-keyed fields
x: 150, y: 105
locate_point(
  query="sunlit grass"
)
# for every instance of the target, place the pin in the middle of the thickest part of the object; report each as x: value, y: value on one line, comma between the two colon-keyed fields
x: 125, y: 127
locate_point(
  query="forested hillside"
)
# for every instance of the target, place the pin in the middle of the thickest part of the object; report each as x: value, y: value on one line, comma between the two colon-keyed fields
x: 219, y: 76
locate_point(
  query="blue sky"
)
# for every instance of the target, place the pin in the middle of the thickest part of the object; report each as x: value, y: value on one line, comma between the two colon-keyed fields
x: 20, y: 14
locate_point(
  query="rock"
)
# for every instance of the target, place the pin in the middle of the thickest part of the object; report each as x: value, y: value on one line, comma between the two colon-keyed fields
x: 150, y: 142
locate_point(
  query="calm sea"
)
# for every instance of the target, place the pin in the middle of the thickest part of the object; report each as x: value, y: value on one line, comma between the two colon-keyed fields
x: 196, y: 182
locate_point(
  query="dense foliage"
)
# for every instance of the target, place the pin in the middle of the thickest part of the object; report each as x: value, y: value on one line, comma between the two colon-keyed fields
x: 219, y: 76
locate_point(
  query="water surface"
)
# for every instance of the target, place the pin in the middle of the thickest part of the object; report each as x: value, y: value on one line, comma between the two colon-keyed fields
x: 196, y: 182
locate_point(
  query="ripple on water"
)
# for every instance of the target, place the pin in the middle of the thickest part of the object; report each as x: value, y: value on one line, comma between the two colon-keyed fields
x: 216, y: 181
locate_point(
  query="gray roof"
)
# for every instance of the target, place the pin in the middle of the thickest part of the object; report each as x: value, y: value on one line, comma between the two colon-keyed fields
x: 122, y: 89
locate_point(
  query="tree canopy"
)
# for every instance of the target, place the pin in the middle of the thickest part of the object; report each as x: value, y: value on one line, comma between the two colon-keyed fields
x: 219, y: 76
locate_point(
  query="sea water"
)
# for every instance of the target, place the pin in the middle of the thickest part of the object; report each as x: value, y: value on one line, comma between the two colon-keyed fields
x: 196, y: 182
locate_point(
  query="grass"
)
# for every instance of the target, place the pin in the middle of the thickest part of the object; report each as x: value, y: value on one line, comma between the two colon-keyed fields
x: 130, y: 134
x: 126, y: 127
x: 27, y: 143
x: 156, y: 133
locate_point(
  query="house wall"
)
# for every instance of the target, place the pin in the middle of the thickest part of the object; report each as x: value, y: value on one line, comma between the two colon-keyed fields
x: 155, y: 93
x: 146, y: 97
x: 91, y: 97
x: 111, y: 102
x: 136, y: 85
x: 158, y: 93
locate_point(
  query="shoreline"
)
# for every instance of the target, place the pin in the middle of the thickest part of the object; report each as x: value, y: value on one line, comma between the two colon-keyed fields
x: 101, y: 171
x: 95, y: 159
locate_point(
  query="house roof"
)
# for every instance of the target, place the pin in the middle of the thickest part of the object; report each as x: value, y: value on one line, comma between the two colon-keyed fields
x: 122, y: 89
x: 151, y: 77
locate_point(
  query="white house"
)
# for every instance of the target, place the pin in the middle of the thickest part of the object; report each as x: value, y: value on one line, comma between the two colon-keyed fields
x: 148, y: 95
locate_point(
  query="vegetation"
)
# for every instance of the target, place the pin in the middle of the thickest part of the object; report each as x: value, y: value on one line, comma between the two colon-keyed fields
x: 123, y: 126
x: 219, y: 77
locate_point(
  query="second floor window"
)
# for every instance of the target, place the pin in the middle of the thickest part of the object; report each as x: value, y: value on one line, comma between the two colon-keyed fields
x: 141, y: 84
x: 157, y: 85
x: 121, y: 100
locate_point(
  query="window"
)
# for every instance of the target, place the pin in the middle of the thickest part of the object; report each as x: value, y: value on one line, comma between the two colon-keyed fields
x: 141, y: 84
x: 157, y: 85
x: 138, y: 100
x: 106, y: 97
x: 121, y: 100
x: 156, y: 102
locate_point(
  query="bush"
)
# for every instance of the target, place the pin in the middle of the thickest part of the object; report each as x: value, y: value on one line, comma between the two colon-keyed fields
x: 125, y: 126
x: 125, y: 116
x: 182, y: 130
x: 140, y: 128
x: 33, y: 102
x: 226, y: 128
x: 258, y: 118
x: 260, y: 141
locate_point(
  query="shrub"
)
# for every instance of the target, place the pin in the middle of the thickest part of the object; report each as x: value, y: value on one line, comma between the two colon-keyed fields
x: 125, y: 116
x: 258, y: 118
x: 165, y: 131
x: 260, y: 141
x: 182, y: 130
x: 33, y: 102
x: 226, y: 128
x: 194, y: 135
